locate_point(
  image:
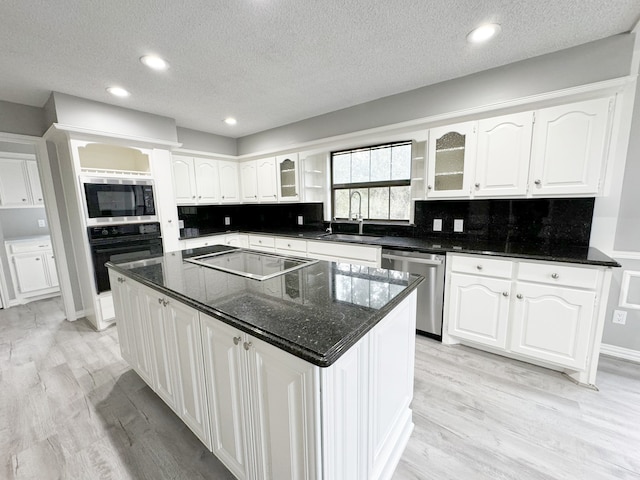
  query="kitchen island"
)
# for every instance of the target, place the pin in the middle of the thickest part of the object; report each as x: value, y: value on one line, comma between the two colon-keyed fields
x: 305, y: 374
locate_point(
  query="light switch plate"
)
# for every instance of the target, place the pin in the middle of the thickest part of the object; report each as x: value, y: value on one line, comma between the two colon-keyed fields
x: 300, y: 220
x: 437, y: 224
x: 180, y: 224
x: 620, y: 317
x: 42, y: 223
x: 458, y: 225
x: 227, y: 220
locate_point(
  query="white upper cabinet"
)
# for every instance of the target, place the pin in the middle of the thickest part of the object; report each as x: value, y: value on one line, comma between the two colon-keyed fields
x: 569, y: 148
x: 502, y: 163
x: 287, y: 175
x: 184, y: 182
x: 452, y: 152
x: 196, y: 180
x: 249, y: 181
x: 267, y: 183
x: 20, y: 183
x: 207, y: 180
x: 229, y: 191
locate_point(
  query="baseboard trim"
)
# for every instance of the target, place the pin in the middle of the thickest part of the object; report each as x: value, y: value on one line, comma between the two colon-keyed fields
x: 620, y: 352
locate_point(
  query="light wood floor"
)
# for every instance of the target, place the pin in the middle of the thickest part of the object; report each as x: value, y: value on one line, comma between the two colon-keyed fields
x: 70, y: 408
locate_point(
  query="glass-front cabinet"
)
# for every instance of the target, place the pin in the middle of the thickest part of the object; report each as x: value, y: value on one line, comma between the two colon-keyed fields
x: 451, y: 160
x: 287, y: 176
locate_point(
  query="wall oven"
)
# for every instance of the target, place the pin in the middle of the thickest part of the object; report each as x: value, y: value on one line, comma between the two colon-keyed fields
x: 114, y: 200
x: 121, y: 243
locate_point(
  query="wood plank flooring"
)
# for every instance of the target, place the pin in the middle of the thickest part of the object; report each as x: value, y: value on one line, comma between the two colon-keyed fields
x: 70, y: 408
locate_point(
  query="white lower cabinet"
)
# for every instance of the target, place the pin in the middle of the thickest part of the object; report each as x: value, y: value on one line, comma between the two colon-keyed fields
x: 544, y: 312
x: 32, y: 267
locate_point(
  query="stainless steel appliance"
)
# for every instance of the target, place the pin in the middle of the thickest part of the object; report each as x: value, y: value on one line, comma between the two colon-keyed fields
x: 430, y: 291
x: 115, y: 200
x: 121, y: 243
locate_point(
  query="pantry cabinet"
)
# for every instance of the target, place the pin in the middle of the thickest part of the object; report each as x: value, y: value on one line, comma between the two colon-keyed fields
x: 20, y: 182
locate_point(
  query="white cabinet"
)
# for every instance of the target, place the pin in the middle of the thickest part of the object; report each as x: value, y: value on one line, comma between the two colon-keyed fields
x: 20, y: 182
x: 32, y: 267
x: 543, y: 312
x: 452, y: 151
x: 196, y: 180
x: 249, y: 181
x: 121, y: 304
x: 264, y: 243
x: 229, y: 186
x: 263, y: 405
x: 367, y: 255
x: 502, y: 162
x: 569, y: 148
x: 267, y: 183
x: 288, y: 178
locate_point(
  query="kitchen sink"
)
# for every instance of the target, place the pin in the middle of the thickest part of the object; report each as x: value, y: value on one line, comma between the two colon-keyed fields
x: 350, y: 237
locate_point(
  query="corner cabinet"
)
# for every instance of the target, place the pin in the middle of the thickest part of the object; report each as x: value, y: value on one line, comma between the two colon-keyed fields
x: 451, y: 160
x: 569, y: 147
x: 547, y: 313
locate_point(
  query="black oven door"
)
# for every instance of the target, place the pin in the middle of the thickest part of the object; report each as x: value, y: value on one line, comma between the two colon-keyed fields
x: 121, y: 251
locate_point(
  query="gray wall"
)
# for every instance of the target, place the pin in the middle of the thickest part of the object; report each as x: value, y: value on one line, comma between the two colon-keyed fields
x: 206, y: 142
x: 596, y: 61
x: 17, y: 148
x: 80, y: 112
x: 628, y: 335
x: 21, y: 119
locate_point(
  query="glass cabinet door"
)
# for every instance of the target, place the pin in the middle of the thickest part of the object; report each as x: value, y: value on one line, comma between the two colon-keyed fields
x: 451, y: 150
x: 287, y: 166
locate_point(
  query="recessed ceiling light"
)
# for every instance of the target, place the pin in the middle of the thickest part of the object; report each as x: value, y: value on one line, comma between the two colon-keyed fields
x: 118, y: 92
x: 154, y: 62
x: 483, y: 33
x: 230, y: 121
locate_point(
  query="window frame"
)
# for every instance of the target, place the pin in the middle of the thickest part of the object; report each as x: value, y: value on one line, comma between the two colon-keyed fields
x: 374, y: 184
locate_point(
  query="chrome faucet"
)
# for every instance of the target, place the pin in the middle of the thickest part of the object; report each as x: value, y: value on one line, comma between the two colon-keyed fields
x: 358, y: 216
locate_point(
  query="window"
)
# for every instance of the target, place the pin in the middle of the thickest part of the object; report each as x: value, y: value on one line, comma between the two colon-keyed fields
x: 374, y: 182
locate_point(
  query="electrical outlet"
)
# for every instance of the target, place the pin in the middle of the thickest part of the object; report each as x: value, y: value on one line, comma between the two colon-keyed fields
x: 300, y: 220
x: 42, y: 223
x: 437, y: 224
x: 227, y: 220
x: 620, y: 316
x: 458, y: 225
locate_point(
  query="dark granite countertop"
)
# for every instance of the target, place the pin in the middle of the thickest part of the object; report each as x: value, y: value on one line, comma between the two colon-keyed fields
x: 316, y: 312
x: 532, y: 251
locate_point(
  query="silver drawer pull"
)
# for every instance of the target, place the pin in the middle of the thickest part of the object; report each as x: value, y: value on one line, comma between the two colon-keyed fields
x: 555, y: 275
x: 505, y: 294
x: 159, y: 300
x: 236, y: 340
x: 165, y: 303
x: 479, y: 267
x: 477, y: 185
x: 538, y: 182
x: 247, y: 345
x: 519, y: 296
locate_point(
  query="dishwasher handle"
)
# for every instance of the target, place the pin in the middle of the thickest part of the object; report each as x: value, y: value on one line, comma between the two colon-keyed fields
x: 424, y: 261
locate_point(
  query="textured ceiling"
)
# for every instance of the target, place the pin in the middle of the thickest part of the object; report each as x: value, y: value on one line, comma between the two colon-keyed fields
x: 273, y: 62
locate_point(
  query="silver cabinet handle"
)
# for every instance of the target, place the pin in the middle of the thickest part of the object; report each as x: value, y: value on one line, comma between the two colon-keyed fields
x: 236, y: 340
x: 247, y: 345
x: 169, y: 221
x: 24, y: 199
x: 505, y: 294
x: 538, y: 182
x: 193, y: 196
x: 555, y: 276
x: 519, y: 296
x: 37, y: 259
x: 39, y: 199
x: 477, y: 185
x: 199, y: 196
x: 479, y: 267
x: 429, y: 187
x: 165, y: 303
x: 289, y: 245
x: 160, y: 300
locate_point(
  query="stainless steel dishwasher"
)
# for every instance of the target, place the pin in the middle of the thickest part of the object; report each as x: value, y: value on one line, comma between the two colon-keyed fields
x: 430, y: 291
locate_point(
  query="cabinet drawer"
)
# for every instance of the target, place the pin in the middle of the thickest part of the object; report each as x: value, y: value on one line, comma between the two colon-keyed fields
x: 30, y: 246
x: 261, y: 241
x: 204, y: 241
x: 481, y: 265
x: 366, y: 254
x: 291, y: 244
x: 558, y: 274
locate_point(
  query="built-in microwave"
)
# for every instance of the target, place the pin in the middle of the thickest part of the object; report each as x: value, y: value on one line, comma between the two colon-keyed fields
x: 114, y: 200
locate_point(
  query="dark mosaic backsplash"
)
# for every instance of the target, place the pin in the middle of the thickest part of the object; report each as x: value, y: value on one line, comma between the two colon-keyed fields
x: 209, y: 219
x: 551, y: 221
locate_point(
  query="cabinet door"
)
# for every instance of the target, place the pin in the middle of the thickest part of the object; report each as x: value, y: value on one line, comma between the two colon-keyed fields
x: 189, y: 372
x: 284, y: 413
x: 123, y: 318
x: 162, y: 356
x: 52, y: 271
x: 140, y: 329
x: 184, y: 183
x: 479, y: 309
x: 569, y: 147
x: 228, y: 182
x: 207, y: 180
x: 452, y: 151
x: 31, y: 272
x: 225, y: 380
x: 249, y: 181
x: 34, y: 183
x: 267, y: 183
x: 552, y: 323
x: 287, y: 176
x: 14, y: 189
x: 504, y: 147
